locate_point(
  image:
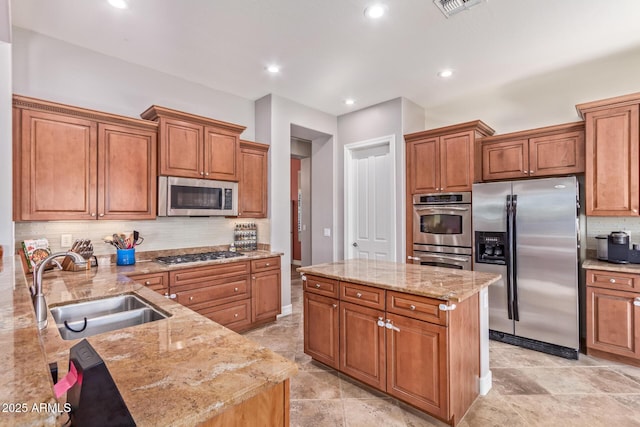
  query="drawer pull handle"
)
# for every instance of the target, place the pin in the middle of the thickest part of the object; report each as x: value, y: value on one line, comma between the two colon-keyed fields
x: 445, y: 307
x: 412, y: 307
x: 359, y: 295
x: 147, y: 283
x: 612, y: 280
x: 318, y: 285
x: 235, y: 289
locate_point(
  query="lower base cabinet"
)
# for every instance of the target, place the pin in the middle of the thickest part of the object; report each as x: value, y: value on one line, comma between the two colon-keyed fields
x: 613, y: 316
x: 404, y: 345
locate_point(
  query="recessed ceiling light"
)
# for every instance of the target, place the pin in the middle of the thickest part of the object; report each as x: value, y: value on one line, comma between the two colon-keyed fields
x: 273, y: 69
x: 118, y: 4
x: 375, y: 11
x: 349, y: 101
x: 445, y: 73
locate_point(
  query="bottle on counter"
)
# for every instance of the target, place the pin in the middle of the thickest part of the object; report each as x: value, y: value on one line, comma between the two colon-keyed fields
x: 232, y: 247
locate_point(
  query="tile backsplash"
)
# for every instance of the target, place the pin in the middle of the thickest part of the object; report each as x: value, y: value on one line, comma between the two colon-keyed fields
x: 597, y: 225
x: 162, y: 233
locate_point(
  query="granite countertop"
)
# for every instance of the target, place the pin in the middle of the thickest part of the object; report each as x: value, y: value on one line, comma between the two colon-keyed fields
x: 435, y: 282
x: 182, y: 370
x: 595, y: 264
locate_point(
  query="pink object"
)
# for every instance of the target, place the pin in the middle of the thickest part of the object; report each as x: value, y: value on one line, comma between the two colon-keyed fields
x: 62, y: 386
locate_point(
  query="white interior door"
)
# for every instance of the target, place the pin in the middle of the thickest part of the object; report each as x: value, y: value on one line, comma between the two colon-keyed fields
x: 370, y: 199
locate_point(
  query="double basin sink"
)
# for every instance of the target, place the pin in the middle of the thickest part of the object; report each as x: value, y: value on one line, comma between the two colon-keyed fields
x: 88, y: 318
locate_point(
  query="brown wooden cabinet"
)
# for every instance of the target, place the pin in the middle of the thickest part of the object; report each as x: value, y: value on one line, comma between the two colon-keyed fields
x: 548, y: 151
x: 158, y: 282
x: 193, y: 146
x: 443, y: 159
x: 612, y: 172
x: 613, y: 316
x: 405, y: 345
x: 76, y: 164
x: 252, y: 185
x: 265, y: 290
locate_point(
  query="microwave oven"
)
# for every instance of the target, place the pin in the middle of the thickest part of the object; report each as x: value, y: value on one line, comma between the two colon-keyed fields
x: 196, y: 197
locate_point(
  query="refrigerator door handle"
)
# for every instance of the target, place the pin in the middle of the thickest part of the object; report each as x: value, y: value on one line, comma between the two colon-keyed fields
x: 514, y: 213
x: 508, y: 259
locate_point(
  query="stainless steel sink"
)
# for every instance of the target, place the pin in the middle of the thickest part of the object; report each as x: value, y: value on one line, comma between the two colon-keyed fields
x: 87, y: 318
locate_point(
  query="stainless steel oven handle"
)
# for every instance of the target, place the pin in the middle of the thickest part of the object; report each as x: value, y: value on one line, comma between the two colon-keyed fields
x: 439, y: 208
x: 452, y: 258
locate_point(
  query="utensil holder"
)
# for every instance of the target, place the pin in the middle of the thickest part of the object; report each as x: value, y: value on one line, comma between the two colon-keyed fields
x: 126, y: 256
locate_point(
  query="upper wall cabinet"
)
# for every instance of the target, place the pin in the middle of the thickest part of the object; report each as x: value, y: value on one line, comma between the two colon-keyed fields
x: 552, y: 150
x: 252, y: 187
x: 443, y: 159
x: 193, y: 146
x: 75, y: 164
x: 612, y: 173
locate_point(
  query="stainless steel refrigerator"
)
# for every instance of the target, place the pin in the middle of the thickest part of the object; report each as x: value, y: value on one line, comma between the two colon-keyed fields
x: 528, y: 231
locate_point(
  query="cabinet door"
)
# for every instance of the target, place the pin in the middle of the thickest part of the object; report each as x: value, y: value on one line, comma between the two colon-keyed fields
x: 126, y: 173
x: 321, y: 328
x: 265, y: 295
x: 362, y: 350
x: 613, y: 322
x: 158, y: 282
x: 456, y: 162
x: 58, y: 176
x: 612, y: 173
x: 505, y: 160
x: 417, y: 364
x: 556, y: 154
x: 221, y: 155
x: 234, y: 315
x: 252, y: 186
x: 424, y: 166
x: 181, y: 149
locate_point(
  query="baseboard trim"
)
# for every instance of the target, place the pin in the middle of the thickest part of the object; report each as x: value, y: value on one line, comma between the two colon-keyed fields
x: 287, y: 310
x: 296, y: 262
x: 485, y: 384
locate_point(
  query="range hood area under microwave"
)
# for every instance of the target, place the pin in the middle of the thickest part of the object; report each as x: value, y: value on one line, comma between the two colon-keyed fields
x: 196, y: 197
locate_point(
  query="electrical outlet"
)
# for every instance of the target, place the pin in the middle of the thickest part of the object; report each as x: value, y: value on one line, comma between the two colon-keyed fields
x: 327, y: 232
x: 66, y: 240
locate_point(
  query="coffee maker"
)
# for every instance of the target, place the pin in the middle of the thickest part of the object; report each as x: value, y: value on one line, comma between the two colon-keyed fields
x: 618, y: 247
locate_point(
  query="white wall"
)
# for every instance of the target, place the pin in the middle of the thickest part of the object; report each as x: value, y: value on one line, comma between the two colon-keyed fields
x: 6, y: 189
x: 274, y: 117
x: 395, y: 117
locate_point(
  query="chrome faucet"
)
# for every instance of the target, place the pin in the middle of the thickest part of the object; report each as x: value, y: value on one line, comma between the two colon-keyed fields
x: 39, y: 303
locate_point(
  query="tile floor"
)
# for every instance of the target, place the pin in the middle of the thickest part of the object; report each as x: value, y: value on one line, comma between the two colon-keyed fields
x: 529, y: 388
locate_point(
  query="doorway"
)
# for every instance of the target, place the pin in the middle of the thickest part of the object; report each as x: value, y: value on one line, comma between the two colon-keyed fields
x: 370, y: 199
x: 300, y: 200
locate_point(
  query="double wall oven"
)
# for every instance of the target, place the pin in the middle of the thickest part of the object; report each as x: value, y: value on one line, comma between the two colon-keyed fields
x: 442, y: 234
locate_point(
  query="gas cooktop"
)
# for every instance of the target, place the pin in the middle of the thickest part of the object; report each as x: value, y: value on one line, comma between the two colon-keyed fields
x: 203, y: 256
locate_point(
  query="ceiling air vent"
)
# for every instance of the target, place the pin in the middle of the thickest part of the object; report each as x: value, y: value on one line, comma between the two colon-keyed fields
x: 451, y: 7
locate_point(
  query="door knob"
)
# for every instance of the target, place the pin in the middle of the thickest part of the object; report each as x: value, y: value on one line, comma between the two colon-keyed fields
x: 354, y: 244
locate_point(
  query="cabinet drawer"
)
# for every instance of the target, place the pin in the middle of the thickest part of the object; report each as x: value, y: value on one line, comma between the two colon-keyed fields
x: 158, y: 282
x: 417, y: 307
x: 258, y: 265
x: 613, y: 280
x: 205, y: 274
x: 363, y: 295
x: 235, y: 315
x: 320, y: 285
x: 214, y: 295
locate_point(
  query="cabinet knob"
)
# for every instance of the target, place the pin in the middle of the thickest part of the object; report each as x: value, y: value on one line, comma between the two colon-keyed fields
x: 334, y: 305
x: 359, y: 295
x: 380, y: 322
x: 190, y: 298
x: 531, y: 172
x: 524, y: 172
x: 235, y: 315
x: 170, y: 296
x: 93, y: 214
x: 202, y: 173
x: 389, y: 325
x: 634, y: 210
x: 412, y: 307
x: 147, y: 283
x: 317, y: 285
x: 636, y: 302
x: 267, y: 264
x: 101, y: 215
x: 612, y: 280
x: 235, y: 289
x: 254, y: 277
x: 206, y: 174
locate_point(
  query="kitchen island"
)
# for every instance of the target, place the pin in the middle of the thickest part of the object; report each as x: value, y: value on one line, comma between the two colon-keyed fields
x: 182, y: 370
x: 417, y: 333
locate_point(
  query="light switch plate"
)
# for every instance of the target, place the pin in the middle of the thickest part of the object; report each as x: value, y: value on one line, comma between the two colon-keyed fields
x: 66, y: 240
